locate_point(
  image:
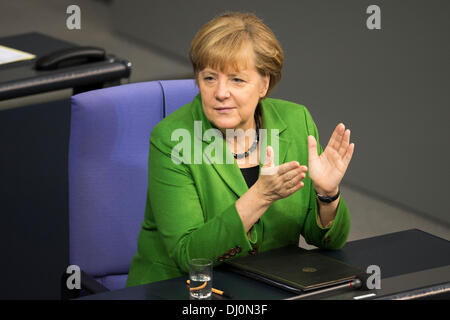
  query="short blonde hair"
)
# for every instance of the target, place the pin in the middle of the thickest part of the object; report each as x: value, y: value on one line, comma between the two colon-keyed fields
x: 222, y: 42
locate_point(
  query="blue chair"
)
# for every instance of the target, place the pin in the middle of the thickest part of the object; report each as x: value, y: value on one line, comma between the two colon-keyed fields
x: 108, y: 155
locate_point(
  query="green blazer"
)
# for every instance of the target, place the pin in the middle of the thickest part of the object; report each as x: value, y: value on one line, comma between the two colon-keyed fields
x: 191, y: 211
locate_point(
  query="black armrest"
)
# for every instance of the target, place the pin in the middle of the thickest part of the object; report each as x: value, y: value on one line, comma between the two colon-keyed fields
x: 88, y: 286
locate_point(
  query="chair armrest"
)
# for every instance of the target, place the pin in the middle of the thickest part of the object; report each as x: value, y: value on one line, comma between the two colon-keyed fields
x: 88, y: 286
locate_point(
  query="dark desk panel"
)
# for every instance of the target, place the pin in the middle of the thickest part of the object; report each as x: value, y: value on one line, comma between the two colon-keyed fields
x: 34, y: 237
x: 409, y: 260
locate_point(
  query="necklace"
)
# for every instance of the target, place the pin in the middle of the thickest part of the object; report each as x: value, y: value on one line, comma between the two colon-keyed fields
x: 253, y: 146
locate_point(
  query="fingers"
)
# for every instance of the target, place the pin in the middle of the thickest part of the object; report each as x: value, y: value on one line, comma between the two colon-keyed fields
x: 345, y: 141
x: 345, y: 149
x: 293, y: 179
x: 287, y: 178
x: 295, y: 188
x: 312, y: 150
x: 299, y: 172
x: 268, y: 162
x: 295, y: 184
x: 349, y: 153
x: 288, y: 167
x: 336, y: 137
x: 269, y: 168
x: 340, y: 140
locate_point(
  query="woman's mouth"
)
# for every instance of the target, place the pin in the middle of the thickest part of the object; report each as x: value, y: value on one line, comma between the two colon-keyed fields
x: 224, y: 109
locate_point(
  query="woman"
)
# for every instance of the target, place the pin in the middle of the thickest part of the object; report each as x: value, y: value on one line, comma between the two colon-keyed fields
x: 267, y: 196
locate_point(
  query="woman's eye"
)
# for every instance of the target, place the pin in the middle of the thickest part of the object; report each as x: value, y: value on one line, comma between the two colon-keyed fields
x: 208, y: 78
x: 237, y: 80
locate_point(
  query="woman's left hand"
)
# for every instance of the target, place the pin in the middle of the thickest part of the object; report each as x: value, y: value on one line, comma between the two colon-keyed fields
x: 327, y: 170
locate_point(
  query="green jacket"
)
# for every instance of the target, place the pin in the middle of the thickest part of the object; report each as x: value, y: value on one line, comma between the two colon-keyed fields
x: 191, y: 211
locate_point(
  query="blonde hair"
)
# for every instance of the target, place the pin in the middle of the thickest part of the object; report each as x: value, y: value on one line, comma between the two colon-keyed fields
x: 223, y: 43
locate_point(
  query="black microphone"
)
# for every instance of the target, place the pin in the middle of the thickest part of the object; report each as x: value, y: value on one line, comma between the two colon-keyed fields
x: 360, y: 282
x: 363, y: 276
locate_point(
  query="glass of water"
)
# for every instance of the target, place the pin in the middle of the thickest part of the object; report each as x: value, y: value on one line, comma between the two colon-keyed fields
x: 200, y: 277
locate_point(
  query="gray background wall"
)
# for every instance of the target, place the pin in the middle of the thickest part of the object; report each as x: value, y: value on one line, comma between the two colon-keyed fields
x: 389, y: 86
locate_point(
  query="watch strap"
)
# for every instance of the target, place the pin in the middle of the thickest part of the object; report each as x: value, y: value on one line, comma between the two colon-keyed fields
x: 328, y: 199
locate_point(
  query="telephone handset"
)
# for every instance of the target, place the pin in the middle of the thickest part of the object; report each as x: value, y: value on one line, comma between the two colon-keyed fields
x: 70, y: 57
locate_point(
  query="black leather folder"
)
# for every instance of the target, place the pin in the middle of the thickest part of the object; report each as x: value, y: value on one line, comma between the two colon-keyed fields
x: 295, y: 269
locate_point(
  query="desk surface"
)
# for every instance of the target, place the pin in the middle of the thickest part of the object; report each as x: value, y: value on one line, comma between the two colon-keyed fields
x: 409, y: 260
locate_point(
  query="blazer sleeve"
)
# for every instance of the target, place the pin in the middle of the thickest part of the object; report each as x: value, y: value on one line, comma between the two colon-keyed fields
x: 329, y: 237
x: 178, y: 214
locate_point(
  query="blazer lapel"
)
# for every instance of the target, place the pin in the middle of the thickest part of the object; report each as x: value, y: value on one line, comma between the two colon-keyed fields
x: 231, y: 175
x: 277, y: 133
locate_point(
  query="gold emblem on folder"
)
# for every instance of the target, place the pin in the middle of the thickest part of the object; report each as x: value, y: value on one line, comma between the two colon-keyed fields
x: 309, y: 269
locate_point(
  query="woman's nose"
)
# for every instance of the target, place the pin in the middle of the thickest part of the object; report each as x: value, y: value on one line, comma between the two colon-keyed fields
x: 222, y: 90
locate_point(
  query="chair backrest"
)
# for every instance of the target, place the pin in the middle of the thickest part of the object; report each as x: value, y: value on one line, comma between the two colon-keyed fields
x: 108, y: 155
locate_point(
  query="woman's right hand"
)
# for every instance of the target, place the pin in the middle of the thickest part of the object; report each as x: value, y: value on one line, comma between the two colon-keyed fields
x: 278, y: 182
x: 274, y: 183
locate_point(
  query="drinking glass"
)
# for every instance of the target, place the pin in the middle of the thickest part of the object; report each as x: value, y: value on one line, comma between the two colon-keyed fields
x: 200, y: 277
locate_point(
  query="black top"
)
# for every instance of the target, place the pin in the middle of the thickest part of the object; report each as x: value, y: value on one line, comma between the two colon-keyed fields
x: 250, y: 175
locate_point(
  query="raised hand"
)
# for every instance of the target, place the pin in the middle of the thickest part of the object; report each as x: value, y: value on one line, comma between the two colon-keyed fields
x: 277, y: 182
x: 327, y: 170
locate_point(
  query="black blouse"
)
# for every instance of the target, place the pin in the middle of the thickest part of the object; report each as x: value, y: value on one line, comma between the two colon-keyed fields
x: 250, y: 175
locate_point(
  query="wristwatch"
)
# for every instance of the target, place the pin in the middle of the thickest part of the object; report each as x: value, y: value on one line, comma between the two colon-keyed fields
x: 328, y: 199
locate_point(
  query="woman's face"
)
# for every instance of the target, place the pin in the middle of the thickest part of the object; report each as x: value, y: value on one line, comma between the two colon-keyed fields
x: 230, y: 98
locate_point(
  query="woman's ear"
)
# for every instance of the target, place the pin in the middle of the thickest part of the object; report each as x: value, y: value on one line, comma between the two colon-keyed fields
x: 196, y: 75
x: 265, y: 86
